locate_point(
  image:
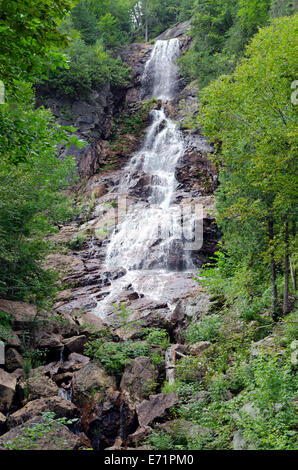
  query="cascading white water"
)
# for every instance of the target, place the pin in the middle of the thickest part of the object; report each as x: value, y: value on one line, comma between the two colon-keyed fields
x: 161, y: 71
x: 157, y: 224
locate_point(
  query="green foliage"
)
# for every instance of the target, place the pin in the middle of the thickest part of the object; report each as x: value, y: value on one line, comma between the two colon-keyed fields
x: 255, y: 396
x: 115, y: 356
x: 206, y: 329
x: 77, y: 242
x: 158, y: 337
x: 47, y: 429
x: 5, y: 325
x: 31, y: 200
x: 30, y: 39
x: 221, y: 29
x: 190, y: 369
x: 89, y: 68
x: 251, y: 114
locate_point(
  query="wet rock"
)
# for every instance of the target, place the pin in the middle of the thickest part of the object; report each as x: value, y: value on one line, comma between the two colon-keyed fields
x: 59, y: 406
x: 139, y: 378
x: 155, y: 407
x: 57, y: 438
x: 73, y: 363
x: 90, y: 379
x: 7, y: 390
x: 41, y: 386
x: 23, y: 314
x: 197, y: 348
x: 13, y: 360
x: 75, y: 343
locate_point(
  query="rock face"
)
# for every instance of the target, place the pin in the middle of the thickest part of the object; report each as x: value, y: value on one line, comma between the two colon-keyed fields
x: 176, y: 31
x: 92, y: 119
x: 197, y: 348
x: 139, y: 378
x: 113, y: 415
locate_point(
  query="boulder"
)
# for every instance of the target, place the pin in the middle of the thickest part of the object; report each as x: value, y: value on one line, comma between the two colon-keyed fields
x: 91, y: 378
x: 41, y: 386
x: 50, y: 341
x: 23, y: 314
x: 11, y: 338
x: 75, y: 343
x: 7, y: 390
x: 139, y: 435
x: 139, y: 378
x: 13, y: 360
x: 58, y: 437
x: 89, y: 323
x: 155, y: 407
x: 61, y: 408
x: 197, y: 348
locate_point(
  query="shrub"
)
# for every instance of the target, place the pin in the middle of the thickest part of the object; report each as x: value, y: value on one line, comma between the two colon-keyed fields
x: 115, y: 356
x: 206, y: 329
x: 89, y: 68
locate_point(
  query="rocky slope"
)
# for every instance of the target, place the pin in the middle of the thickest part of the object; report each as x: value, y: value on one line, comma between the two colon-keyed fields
x: 111, y: 410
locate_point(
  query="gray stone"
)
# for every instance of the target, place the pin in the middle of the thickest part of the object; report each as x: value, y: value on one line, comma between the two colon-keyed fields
x: 41, y: 386
x: 61, y: 408
x: 75, y: 344
x: 23, y: 313
x: 139, y: 378
x: 197, y: 348
x: 57, y: 438
x: 155, y: 407
x: 7, y: 390
x: 239, y: 443
x: 13, y: 360
x: 91, y: 378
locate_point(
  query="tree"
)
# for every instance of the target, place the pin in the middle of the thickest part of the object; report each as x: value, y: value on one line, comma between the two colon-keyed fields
x: 251, y: 115
x: 31, y: 201
x: 30, y: 39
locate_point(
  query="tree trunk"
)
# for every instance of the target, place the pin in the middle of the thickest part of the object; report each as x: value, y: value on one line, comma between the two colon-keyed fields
x: 285, y: 307
x: 273, y: 271
x: 146, y: 31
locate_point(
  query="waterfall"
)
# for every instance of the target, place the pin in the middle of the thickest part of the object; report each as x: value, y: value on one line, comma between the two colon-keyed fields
x: 161, y: 71
x: 149, y: 236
